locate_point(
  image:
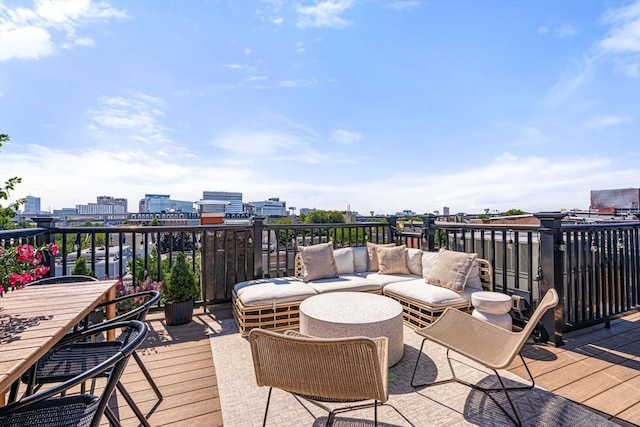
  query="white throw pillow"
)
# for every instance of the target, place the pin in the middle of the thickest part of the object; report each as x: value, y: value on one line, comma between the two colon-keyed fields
x: 344, y: 260
x: 473, y: 279
x: 414, y: 261
x: 360, y: 259
x: 428, y: 259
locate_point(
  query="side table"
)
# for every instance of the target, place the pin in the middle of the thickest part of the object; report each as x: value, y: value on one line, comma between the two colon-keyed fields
x: 492, y: 307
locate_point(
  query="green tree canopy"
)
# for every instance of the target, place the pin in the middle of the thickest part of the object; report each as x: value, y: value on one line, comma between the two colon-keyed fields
x: 513, y: 212
x: 322, y: 217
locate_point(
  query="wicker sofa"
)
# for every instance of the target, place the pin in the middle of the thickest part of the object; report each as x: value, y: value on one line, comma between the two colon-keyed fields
x: 274, y: 303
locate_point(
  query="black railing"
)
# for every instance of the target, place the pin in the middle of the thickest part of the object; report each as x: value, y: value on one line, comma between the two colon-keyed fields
x: 594, y: 268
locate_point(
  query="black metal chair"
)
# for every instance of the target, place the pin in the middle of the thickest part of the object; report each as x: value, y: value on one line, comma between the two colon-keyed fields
x: 47, y: 409
x: 57, y: 365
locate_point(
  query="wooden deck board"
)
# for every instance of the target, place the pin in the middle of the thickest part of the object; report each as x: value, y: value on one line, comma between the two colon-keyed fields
x: 598, y: 367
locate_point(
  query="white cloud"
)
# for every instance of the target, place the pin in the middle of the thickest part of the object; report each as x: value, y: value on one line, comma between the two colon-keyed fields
x: 566, y: 30
x: 543, y: 30
x: 324, y: 14
x: 138, y: 114
x: 345, y: 137
x: 403, y: 4
x: 27, y: 42
x: 606, y: 121
x: 569, y: 83
x: 623, y: 38
x: 509, y: 181
x: 34, y: 33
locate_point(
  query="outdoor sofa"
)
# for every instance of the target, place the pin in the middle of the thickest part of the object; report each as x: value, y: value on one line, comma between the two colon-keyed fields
x: 424, y: 283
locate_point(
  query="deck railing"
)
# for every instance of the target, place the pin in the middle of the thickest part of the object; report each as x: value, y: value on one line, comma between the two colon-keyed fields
x: 594, y: 268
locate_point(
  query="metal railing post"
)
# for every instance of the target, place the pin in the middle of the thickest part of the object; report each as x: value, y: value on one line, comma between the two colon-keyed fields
x: 551, y: 274
x: 393, y: 223
x: 44, y: 239
x: 429, y: 231
x: 258, y: 227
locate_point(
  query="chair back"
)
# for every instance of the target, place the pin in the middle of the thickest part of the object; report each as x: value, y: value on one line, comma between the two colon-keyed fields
x: 332, y: 368
x: 146, y: 299
x: 69, y: 278
x: 136, y: 332
x: 549, y: 301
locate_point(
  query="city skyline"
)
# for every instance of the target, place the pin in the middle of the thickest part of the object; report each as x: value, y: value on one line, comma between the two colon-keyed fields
x: 378, y: 106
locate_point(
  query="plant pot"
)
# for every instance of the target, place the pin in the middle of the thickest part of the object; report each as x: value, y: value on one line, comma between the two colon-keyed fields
x: 178, y: 313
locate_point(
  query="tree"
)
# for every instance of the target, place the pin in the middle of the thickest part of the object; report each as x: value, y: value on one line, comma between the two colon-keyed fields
x: 6, y: 213
x: 82, y: 269
x: 322, y: 217
x: 513, y: 212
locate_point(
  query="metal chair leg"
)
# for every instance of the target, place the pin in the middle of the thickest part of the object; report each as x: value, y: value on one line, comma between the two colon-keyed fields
x: 266, y: 410
x: 147, y: 375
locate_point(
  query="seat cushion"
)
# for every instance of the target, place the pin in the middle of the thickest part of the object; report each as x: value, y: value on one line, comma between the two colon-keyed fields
x: 344, y: 283
x: 384, y: 279
x: 420, y: 292
x: 272, y: 291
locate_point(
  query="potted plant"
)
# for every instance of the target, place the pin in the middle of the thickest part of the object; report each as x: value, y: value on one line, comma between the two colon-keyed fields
x: 180, y: 291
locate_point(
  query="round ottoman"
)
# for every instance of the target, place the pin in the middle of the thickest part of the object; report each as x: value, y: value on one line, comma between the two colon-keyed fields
x: 346, y: 314
x: 492, y: 307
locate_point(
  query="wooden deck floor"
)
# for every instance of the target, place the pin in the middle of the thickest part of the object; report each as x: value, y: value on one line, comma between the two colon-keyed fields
x: 598, y: 367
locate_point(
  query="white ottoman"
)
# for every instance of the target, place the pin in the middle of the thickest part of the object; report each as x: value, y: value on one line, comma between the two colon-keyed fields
x: 346, y: 314
x: 492, y: 307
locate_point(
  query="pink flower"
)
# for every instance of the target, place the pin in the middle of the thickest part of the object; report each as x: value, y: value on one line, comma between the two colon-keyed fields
x: 53, y: 248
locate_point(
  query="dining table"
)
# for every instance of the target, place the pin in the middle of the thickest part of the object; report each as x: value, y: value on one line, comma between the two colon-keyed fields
x: 35, y: 318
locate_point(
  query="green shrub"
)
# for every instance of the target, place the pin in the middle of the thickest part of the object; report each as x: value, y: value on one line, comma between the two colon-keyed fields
x: 81, y: 268
x: 181, y: 284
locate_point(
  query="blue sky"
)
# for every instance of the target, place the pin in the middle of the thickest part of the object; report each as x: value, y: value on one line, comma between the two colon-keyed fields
x: 374, y: 105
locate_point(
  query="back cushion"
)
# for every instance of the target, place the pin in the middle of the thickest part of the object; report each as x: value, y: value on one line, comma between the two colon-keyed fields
x: 372, y: 249
x: 428, y: 259
x: 414, y: 261
x: 473, y: 279
x: 360, y: 259
x: 344, y: 260
x: 319, y: 262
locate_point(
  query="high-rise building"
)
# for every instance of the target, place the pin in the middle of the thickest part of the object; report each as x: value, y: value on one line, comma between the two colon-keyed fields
x: 31, y: 205
x: 106, y: 205
x: 154, y: 203
x: 271, y: 207
x: 220, y: 202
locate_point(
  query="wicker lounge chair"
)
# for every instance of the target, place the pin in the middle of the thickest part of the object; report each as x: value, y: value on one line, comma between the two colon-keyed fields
x: 484, y: 343
x: 346, y: 369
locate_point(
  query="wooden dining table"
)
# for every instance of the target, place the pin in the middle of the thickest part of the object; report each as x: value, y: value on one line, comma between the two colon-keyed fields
x: 34, y: 319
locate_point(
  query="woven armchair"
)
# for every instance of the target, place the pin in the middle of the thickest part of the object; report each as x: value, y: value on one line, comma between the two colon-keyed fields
x: 487, y: 344
x: 344, y: 369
